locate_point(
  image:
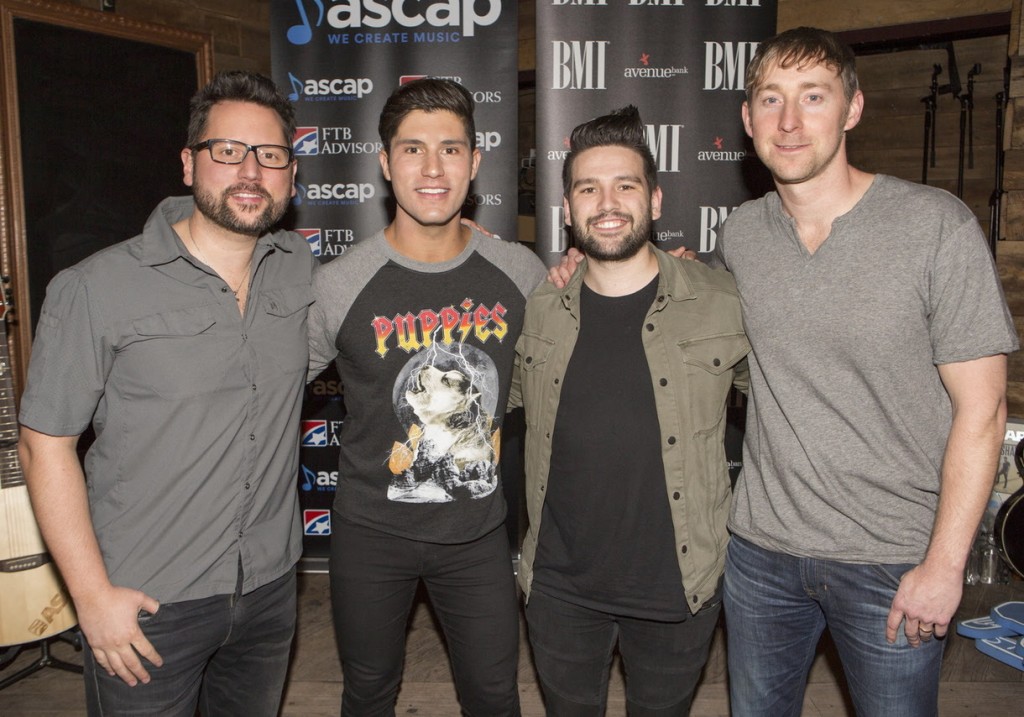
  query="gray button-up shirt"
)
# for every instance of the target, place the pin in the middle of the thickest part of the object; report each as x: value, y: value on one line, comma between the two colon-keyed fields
x: 195, y: 407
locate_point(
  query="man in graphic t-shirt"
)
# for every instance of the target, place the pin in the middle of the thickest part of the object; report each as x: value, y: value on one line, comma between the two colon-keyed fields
x: 421, y: 320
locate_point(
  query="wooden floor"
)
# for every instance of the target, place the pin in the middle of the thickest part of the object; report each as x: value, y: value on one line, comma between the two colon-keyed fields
x: 972, y: 684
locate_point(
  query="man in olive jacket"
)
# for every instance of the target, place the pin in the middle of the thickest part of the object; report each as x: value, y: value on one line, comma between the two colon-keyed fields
x: 624, y: 376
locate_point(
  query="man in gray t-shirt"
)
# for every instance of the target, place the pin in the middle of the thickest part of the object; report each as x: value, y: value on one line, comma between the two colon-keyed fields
x: 878, y: 375
x: 185, y: 348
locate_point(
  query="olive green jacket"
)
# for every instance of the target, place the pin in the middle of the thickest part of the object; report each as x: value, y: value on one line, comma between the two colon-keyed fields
x: 695, y: 345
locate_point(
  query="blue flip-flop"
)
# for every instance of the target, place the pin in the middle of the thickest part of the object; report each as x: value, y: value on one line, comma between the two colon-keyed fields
x: 1010, y: 615
x: 982, y: 628
x: 1003, y: 649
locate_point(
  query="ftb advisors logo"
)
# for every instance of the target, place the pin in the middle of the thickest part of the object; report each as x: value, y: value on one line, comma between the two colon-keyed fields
x: 378, y: 14
x: 327, y: 242
x: 316, y: 522
x: 311, y: 141
x: 320, y: 433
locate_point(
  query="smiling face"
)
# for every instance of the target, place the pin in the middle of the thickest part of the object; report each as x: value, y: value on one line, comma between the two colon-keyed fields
x: 430, y: 165
x: 244, y: 198
x: 610, y: 207
x: 798, y: 118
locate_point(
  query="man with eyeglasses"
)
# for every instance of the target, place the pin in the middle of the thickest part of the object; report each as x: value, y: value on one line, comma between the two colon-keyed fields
x: 186, y: 349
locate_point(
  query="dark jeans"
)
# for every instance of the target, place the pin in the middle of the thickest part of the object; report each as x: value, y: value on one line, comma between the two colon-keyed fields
x: 776, y: 607
x: 226, y: 654
x: 374, y: 577
x: 573, y: 645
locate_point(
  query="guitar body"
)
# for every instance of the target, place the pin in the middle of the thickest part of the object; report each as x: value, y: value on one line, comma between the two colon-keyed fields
x: 33, y: 602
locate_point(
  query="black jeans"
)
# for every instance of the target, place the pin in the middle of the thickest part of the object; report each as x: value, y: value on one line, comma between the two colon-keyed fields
x: 228, y: 654
x: 573, y: 647
x: 374, y: 577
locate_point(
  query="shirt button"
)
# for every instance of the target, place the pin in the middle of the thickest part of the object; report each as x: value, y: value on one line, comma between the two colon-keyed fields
x: 252, y: 436
x: 663, y: 382
x: 244, y: 337
x: 223, y: 289
x: 671, y: 440
x: 254, y: 387
x: 247, y: 485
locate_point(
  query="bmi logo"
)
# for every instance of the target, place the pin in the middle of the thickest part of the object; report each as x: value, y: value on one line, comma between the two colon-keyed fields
x: 306, y: 142
x: 316, y: 522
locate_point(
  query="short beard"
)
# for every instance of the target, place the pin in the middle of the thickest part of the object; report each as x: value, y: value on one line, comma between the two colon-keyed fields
x: 220, y: 213
x: 629, y: 247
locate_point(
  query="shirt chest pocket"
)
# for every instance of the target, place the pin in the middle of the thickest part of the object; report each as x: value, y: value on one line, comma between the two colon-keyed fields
x: 706, y: 365
x: 282, y: 334
x: 176, y: 354
x: 535, y: 374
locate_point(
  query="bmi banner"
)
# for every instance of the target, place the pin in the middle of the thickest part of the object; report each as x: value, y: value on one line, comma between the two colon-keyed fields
x: 682, y: 63
x: 339, y: 60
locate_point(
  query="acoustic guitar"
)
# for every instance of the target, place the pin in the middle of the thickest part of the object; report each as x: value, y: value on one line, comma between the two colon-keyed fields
x: 34, y: 604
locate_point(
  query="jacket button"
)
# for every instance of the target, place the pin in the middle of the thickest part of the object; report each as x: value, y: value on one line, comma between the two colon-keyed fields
x: 683, y: 550
x: 663, y: 382
x: 556, y: 381
x: 661, y: 298
x: 694, y: 599
x: 717, y: 362
x: 650, y: 327
x: 675, y: 496
x: 671, y: 440
x: 529, y: 359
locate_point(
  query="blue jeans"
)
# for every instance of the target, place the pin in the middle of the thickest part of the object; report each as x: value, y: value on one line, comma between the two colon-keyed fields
x: 226, y: 654
x: 572, y: 649
x: 776, y: 607
x: 374, y: 577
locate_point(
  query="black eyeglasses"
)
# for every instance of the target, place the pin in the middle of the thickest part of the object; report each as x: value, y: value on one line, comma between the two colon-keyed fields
x: 231, y: 151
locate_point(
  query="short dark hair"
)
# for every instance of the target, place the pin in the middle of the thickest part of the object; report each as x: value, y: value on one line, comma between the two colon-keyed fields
x: 621, y: 128
x: 429, y: 94
x: 238, y: 86
x: 802, y: 47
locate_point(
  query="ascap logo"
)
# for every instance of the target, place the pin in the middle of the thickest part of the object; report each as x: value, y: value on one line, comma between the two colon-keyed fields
x: 328, y: 88
x: 323, y: 387
x: 461, y: 14
x: 333, y: 193
x: 488, y: 140
x: 725, y: 64
x: 579, y: 64
x: 318, y: 480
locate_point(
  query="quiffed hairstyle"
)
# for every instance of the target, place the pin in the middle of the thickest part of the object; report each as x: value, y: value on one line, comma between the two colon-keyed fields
x: 803, y: 47
x: 429, y: 94
x: 621, y: 128
x: 238, y: 86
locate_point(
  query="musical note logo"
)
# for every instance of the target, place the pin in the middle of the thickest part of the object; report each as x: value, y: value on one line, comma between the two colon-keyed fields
x: 302, y: 33
x: 296, y: 92
x: 309, y: 478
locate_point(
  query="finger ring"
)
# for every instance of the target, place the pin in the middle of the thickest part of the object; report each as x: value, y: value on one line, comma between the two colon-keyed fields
x: 926, y: 632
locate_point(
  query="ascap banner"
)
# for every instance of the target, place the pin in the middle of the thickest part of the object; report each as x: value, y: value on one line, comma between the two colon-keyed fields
x: 682, y: 63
